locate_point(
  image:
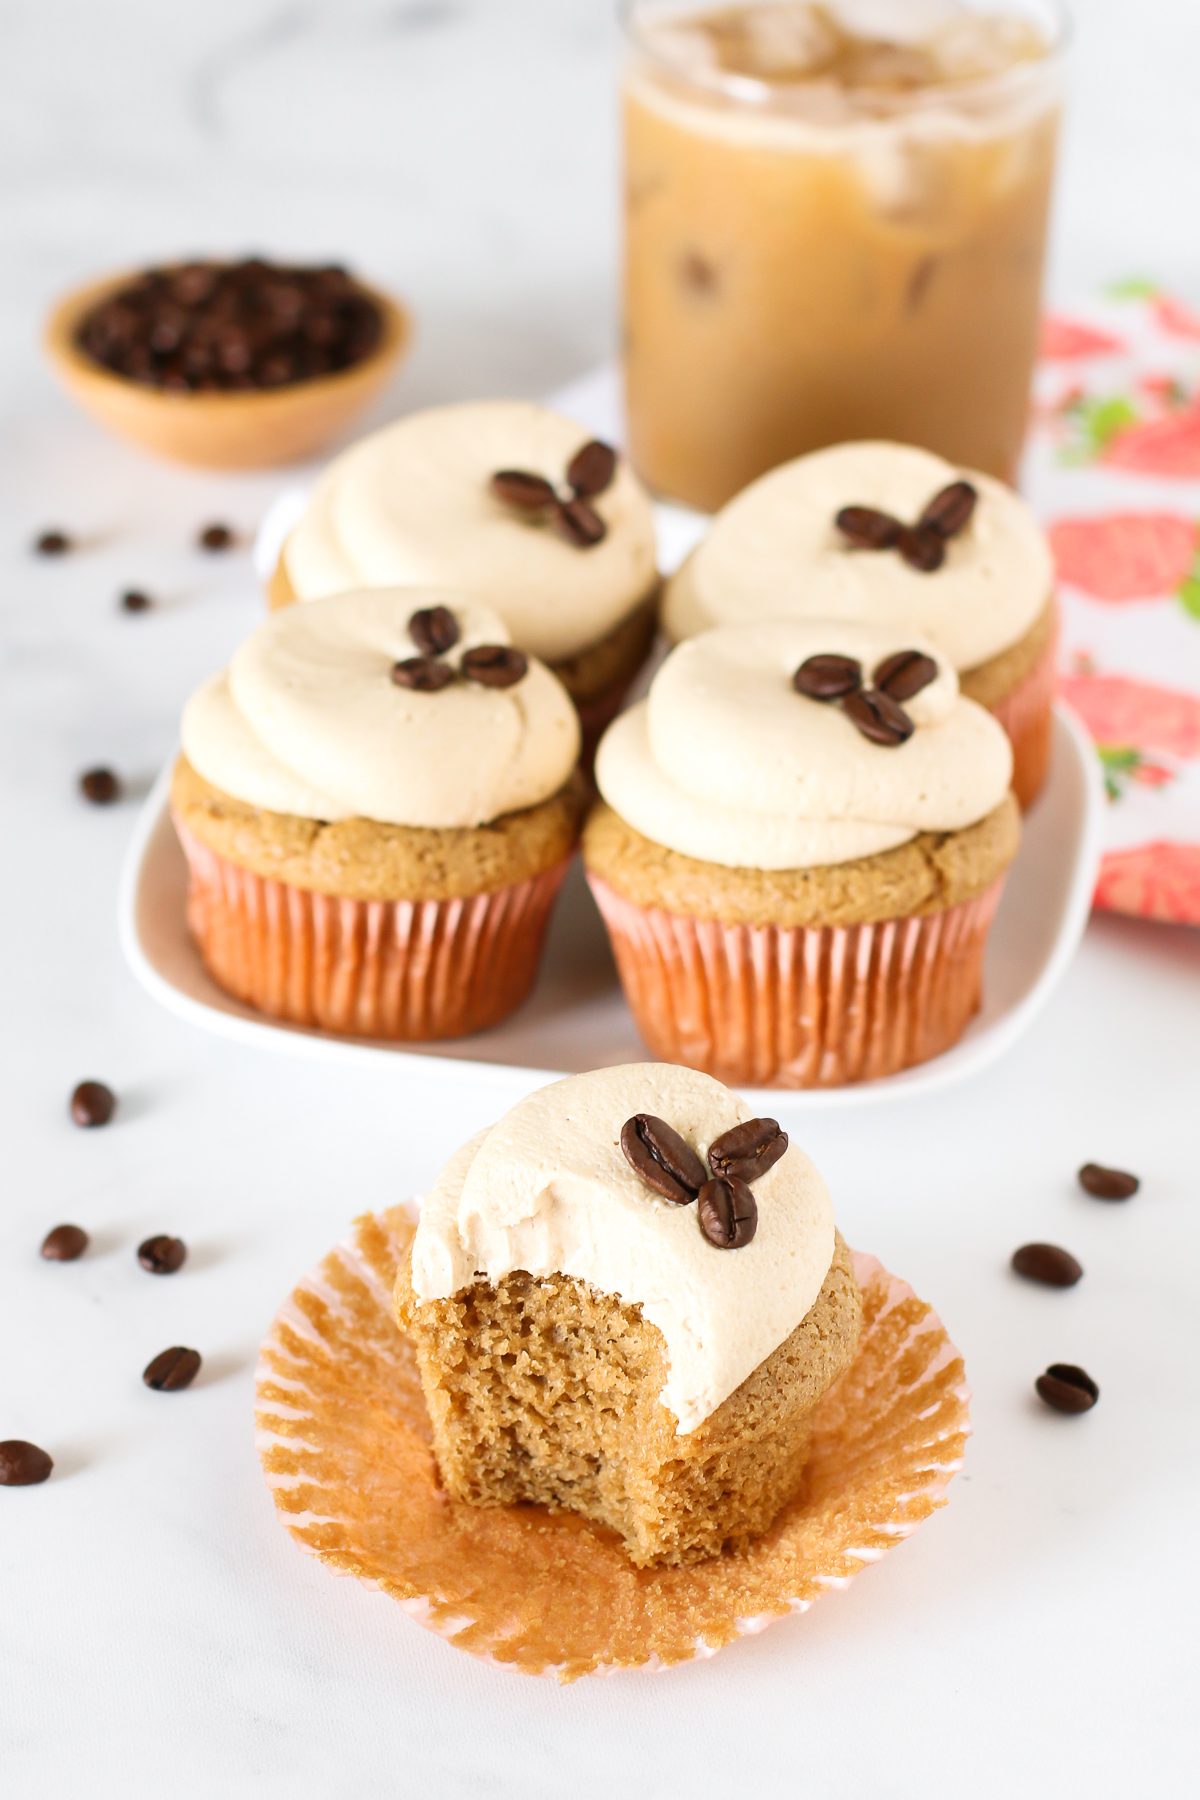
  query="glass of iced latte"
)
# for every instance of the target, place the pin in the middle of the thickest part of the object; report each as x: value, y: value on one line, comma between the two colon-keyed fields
x: 835, y: 222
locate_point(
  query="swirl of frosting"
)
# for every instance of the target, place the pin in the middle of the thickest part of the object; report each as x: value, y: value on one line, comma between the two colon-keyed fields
x: 727, y: 763
x: 548, y: 1190
x: 775, y: 552
x: 412, y: 505
x: 308, y: 720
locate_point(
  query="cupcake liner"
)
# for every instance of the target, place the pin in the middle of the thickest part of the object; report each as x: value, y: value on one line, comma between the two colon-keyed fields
x: 405, y: 969
x: 1026, y: 715
x: 799, y: 1007
x: 344, y: 1440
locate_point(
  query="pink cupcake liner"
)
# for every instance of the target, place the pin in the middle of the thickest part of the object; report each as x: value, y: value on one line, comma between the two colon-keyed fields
x: 1026, y: 715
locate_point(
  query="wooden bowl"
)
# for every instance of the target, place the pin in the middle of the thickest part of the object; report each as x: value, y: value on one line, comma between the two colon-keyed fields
x: 248, y: 430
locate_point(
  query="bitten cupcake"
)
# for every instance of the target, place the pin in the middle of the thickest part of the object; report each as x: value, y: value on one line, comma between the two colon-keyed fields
x: 799, y: 850
x: 378, y: 800
x: 509, y: 504
x: 893, y: 536
x: 627, y: 1299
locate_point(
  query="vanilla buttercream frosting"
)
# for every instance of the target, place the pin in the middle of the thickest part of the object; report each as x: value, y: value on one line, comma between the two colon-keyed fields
x: 412, y: 505
x: 307, y: 719
x: 775, y: 552
x: 726, y: 762
x: 548, y: 1190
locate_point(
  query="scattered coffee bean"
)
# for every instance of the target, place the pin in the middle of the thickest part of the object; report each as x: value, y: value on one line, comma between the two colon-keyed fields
x: 866, y: 528
x: 162, y: 1255
x: 135, y: 601
x: 22, y: 1464
x: 878, y: 717
x: 434, y: 630
x: 578, y: 522
x: 904, y: 674
x: 216, y: 537
x: 494, y: 665
x: 1046, y: 1262
x: 423, y: 673
x: 93, y: 1104
x: 922, y: 547
x: 53, y: 543
x: 748, y: 1150
x: 1067, y: 1389
x: 727, y: 1212
x: 172, y: 1369
x: 1107, y: 1184
x: 516, y: 487
x: 827, y: 677
x: 949, y: 512
x: 65, y: 1243
x: 100, y: 786
x: 591, y: 469
x: 664, y: 1160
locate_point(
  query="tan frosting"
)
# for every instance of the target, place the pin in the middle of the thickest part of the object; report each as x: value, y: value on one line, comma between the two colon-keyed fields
x: 725, y: 762
x: 307, y: 720
x: 548, y: 1190
x: 775, y: 552
x: 411, y: 505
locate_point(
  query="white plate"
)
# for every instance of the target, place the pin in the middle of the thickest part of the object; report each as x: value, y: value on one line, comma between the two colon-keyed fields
x: 577, y: 1019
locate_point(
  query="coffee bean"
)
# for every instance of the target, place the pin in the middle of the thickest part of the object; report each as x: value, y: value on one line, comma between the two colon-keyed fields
x: 827, y: 677
x: 53, y: 543
x: 1046, y: 1262
x: 494, y: 665
x: 949, y: 512
x: 922, y: 547
x: 434, y: 630
x: 100, y: 786
x: 1107, y: 1184
x: 516, y: 487
x: 878, y: 717
x: 664, y: 1160
x: 65, y: 1243
x: 172, y: 1369
x: 135, y: 601
x: 93, y: 1104
x: 904, y: 674
x: 727, y: 1212
x: 1067, y: 1388
x: 162, y: 1255
x: 866, y: 528
x: 578, y: 522
x: 748, y: 1150
x: 22, y: 1464
x: 216, y: 537
x: 422, y: 673
x: 591, y: 469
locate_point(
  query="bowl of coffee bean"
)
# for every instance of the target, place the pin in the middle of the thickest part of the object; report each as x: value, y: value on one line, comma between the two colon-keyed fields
x: 227, y: 365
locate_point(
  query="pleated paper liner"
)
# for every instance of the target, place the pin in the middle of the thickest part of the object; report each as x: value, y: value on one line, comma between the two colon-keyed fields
x: 345, y: 1446
x: 411, y: 970
x: 1027, y: 716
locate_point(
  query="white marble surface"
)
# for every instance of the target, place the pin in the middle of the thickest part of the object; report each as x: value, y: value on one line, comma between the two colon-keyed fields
x: 158, y: 1632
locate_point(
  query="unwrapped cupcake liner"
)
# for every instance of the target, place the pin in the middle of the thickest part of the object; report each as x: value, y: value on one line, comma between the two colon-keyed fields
x: 1027, y: 716
x: 799, y: 1007
x: 345, y: 1445
x: 405, y: 969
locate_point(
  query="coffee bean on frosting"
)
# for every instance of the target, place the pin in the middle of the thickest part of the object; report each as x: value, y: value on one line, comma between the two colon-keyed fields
x: 1048, y: 1264
x: 591, y: 469
x: 424, y: 674
x: 727, y: 1212
x: 904, y: 674
x: 434, y: 630
x: 494, y: 665
x: 162, y: 1255
x: 827, y: 677
x: 748, y: 1150
x: 99, y: 786
x: 578, y: 522
x: 172, y: 1369
x: 878, y: 717
x: 1067, y: 1388
x: 516, y: 487
x: 950, y: 510
x: 66, y: 1243
x: 866, y: 528
x: 922, y: 547
x: 664, y: 1160
x: 22, y: 1464
x: 1107, y: 1184
x: 52, y: 543
x: 93, y: 1104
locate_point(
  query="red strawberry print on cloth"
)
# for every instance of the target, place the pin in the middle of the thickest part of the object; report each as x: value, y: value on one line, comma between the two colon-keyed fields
x: 1125, y: 556
x: 1068, y: 340
x: 1117, y: 710
x: 1159, y: 880
x: 1169, y: 446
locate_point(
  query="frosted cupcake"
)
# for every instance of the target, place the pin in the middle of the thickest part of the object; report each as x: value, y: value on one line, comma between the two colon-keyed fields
x: 627, y: 1299
x: 509, y: 504
x: 799, y: 850
x: 893, y: 536
x: 378, y: 800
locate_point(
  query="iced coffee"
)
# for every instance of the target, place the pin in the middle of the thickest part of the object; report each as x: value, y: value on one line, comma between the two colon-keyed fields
x: 835, y: 220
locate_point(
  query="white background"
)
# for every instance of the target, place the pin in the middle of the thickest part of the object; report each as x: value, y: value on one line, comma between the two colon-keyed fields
x: 159, y: 1634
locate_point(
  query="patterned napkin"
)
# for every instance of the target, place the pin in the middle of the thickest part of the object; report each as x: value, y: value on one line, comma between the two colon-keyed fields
x: 1113, y: 469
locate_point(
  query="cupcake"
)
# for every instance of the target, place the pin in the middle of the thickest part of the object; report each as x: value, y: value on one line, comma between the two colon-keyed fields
x: 626, y: 1300
x: 799, y: 849
x: 509, y: 504
x: 895, y: 537
x: 378, y: 800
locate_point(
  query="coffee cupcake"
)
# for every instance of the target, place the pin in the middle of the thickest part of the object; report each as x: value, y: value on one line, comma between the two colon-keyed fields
x: 511, y: 505
x: 378, y: 800
x: 893, y: 536
x: 799, y: 850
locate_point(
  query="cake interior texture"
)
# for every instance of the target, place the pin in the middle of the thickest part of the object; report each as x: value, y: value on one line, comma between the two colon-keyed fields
x: 544, y: 1391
